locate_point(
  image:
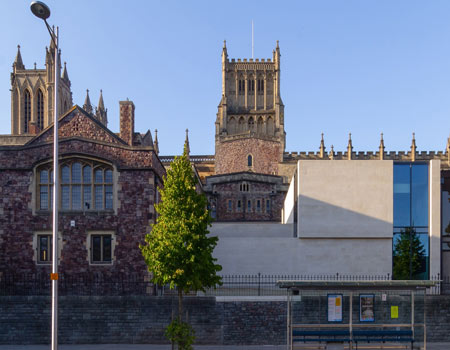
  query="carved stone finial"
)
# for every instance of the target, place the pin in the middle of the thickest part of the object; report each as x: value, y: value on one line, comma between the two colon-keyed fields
x: 381, y: 147
x: 332, y: 153
x: 155, y: 143
x: 349, y: 147
x: 413, y: 148
x: 187, y: 149
x: 322, y: 148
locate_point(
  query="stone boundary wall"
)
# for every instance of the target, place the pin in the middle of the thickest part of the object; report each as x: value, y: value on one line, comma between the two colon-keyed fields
x: 142, y: 319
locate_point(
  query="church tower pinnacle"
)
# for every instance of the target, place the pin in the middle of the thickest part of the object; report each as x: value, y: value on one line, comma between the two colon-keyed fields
x: 32, y: 93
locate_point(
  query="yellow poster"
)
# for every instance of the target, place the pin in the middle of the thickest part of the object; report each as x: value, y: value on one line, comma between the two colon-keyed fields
x: 394, y: 311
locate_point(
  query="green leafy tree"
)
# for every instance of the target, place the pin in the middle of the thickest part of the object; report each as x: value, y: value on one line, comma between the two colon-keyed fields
x: 408, y: 255
x: 178, y: 250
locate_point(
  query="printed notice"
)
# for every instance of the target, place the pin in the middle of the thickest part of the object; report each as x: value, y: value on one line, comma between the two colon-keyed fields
x: 334, y: 307
x: 394, y: 311
x: 366, y: 303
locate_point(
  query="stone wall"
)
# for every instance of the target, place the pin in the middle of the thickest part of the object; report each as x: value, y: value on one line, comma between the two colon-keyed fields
x: 137, y: 172
x: 133, y: 319
x: 231, y: 156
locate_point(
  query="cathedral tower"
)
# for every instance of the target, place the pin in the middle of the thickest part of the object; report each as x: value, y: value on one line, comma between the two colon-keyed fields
x: 250, y: 132
x: 32, y: 92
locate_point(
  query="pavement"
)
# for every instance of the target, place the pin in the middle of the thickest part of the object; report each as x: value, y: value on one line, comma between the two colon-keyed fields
x: 430, y: 346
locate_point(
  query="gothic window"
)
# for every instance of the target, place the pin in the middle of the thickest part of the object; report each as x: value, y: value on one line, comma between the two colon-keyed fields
x: 239, y: 205
x: 251, y: 86
x: 260, y: 86
x: 27, y: 110
x: 270, y: 126
x: 85, y: 185
x: 250, y: 160
x: 251, y: 124
x: 268, y: 206
x: 232, y: 126
x: 241, y: 124
x: 40, y: 109
x: 249, y: 205
x: 241, y: 86
x: 258, y: 205
x: 260, y: 125
x: 230, y: 205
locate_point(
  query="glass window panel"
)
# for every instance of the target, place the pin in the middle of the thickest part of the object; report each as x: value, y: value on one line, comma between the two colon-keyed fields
x: 51, y: 176
x: 108, y: 176
x: 65, y: 197
x: 402, y: 194
x: 96, y: 248
x: 98, y: 176
x: 411, y: 254
x: 76, y: 197
x: 419, y: 195
x: 108, y: 197
x: 45, y: 248
x: 65, y: 174
x: 76, y: 173
x: 51, y: 196
x: 98, y: 197
x: 268, y: 205
x: 106, y: 248
x: 43, y: 177
x: 87, y: 174
x: 87, y: 197
x: 43, y: 195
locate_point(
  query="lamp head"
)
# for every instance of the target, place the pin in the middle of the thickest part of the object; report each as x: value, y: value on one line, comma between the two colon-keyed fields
x: 40, y: 10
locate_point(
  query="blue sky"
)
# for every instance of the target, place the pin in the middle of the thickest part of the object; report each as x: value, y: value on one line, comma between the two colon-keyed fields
x: 363, y: 67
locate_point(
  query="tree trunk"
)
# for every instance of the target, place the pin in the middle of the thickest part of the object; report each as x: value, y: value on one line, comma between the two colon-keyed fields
x: 180, y: 304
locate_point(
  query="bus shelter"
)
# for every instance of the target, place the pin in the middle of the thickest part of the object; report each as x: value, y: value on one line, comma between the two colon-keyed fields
x: 357, y: 314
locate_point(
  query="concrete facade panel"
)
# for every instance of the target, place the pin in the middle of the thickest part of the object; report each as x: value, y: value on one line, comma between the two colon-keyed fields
x: 356, y: 196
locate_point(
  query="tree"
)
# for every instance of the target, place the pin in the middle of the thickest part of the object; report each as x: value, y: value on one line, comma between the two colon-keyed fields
x: 178, y: 250
x: 408, y: 255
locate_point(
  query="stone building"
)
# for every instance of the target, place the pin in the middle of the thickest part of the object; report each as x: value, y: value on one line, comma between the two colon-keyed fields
x: 275, y: 212
x: 108, y: 183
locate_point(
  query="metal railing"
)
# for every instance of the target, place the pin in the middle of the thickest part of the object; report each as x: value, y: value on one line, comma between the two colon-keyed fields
x: 139, y: 284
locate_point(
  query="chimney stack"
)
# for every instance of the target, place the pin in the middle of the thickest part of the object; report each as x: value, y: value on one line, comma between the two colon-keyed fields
x: 127, y: 121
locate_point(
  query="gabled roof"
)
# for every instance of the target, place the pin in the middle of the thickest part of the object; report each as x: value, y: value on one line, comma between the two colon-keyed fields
x: 76, y: 122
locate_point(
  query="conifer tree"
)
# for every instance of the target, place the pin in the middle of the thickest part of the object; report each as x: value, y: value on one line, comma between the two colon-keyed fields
x: 178, y: 250
x: 409, y: 253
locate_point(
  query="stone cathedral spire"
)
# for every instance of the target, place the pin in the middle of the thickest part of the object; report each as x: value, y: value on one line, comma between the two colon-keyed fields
x: 87, y: 106
x: 101, y: 112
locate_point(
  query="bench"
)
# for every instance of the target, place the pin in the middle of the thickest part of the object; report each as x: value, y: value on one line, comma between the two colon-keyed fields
x: 382, y: 336
x: 321, y: 336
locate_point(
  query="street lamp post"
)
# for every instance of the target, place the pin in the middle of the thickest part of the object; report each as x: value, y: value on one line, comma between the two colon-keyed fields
x: 42, y: 11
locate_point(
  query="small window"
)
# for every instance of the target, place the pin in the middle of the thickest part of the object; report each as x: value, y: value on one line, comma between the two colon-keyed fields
x: 230, y: 205
x: 249, y: 205
x: 250, y: 160
x: 268, y: 205
x: 244, y: 187
x: 101, y: 249
x: 27, y: 111
x: 239, y: 205
x: 44, y: 247
x: 258, y: 205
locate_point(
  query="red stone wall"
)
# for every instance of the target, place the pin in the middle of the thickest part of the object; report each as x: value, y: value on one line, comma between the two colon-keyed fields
x: 139, y: 170
x: 225, y: 192
x: 127, y: 121
x: 231, y: 156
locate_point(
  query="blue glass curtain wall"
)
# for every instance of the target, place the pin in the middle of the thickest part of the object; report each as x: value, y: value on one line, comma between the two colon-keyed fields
x: 410, y: 240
